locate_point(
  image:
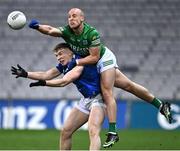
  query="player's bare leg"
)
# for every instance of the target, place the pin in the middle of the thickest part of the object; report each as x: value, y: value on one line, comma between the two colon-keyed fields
x: 95, y: 121
x: 126, y: 84
x: 107, y: 84
x: 141, y: 92
x: 74, y: 121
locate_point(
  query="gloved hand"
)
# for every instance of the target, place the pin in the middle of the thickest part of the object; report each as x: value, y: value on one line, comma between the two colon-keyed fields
x: 34, y: 24
x: 19, y: 71
x: 38, y: 83
x: 72, y: 64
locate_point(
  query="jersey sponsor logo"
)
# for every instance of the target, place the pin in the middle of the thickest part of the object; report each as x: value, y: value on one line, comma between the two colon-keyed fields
x: 106, y: 63
x: 85, y: 42
x: 79, y: 50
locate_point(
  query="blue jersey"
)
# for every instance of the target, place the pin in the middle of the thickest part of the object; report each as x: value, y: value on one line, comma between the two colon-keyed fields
x: 88, y: 84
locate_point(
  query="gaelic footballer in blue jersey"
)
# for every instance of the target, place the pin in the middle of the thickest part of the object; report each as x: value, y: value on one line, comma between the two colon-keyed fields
x: 88, y: 83
x: 87, y: 80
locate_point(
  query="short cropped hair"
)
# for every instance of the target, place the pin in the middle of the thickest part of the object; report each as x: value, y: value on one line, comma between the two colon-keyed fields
x: 61, y: 46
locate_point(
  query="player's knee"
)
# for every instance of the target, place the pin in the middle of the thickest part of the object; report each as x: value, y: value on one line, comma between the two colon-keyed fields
x: 108, y: 99
x: 93, y: 130
x: 107, y: 93
x: 66, y: 133
x: 129, y: 86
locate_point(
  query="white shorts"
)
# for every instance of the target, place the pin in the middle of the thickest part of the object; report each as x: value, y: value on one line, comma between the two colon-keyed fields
x: 85, y: 104
x: 107, y: 61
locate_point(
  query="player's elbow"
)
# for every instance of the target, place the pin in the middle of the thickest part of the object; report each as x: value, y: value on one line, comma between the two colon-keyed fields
x: 54, y: 32
x: 95, y: 59
x: 46, y: 76
x: 50, y: 31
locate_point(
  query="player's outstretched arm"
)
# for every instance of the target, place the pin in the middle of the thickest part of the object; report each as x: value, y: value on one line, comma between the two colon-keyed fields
x: 44, y: 75
x: 61, y: 82
x: 45, y: 29
x: 40, y: 75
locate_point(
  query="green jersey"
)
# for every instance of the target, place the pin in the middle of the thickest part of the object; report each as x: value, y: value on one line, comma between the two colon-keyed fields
x: 80, y: 44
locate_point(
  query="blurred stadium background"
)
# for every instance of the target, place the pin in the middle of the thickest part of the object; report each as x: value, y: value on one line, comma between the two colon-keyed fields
x: 143, y: 34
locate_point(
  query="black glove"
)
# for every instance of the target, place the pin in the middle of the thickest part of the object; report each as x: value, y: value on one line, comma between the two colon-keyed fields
x: 19, y: 71
x: 38, y: 83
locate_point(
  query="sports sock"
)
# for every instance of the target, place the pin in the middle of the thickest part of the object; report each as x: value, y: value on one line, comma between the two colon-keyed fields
x: 112, y: 127
x: 156, y: 102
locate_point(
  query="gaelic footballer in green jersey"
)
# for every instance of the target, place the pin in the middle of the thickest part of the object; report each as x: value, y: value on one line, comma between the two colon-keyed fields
x: 80, y: 44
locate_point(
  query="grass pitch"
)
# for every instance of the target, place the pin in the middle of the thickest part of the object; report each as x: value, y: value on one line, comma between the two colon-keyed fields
x: 129, y: 140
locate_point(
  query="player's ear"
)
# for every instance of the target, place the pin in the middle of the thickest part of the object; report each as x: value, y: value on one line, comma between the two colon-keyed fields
x: 82, y: 18
x: 70, y: 53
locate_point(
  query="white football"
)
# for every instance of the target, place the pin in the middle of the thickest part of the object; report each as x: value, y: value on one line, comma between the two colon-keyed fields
x: 16, y: 20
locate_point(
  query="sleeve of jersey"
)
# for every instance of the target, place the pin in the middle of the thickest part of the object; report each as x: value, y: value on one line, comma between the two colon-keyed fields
x: 60, y: 68
x: 63, y: 30
x: 94, y: 38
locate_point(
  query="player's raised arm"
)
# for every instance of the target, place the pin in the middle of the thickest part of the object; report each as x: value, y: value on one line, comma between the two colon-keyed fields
x: 45, y: 29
